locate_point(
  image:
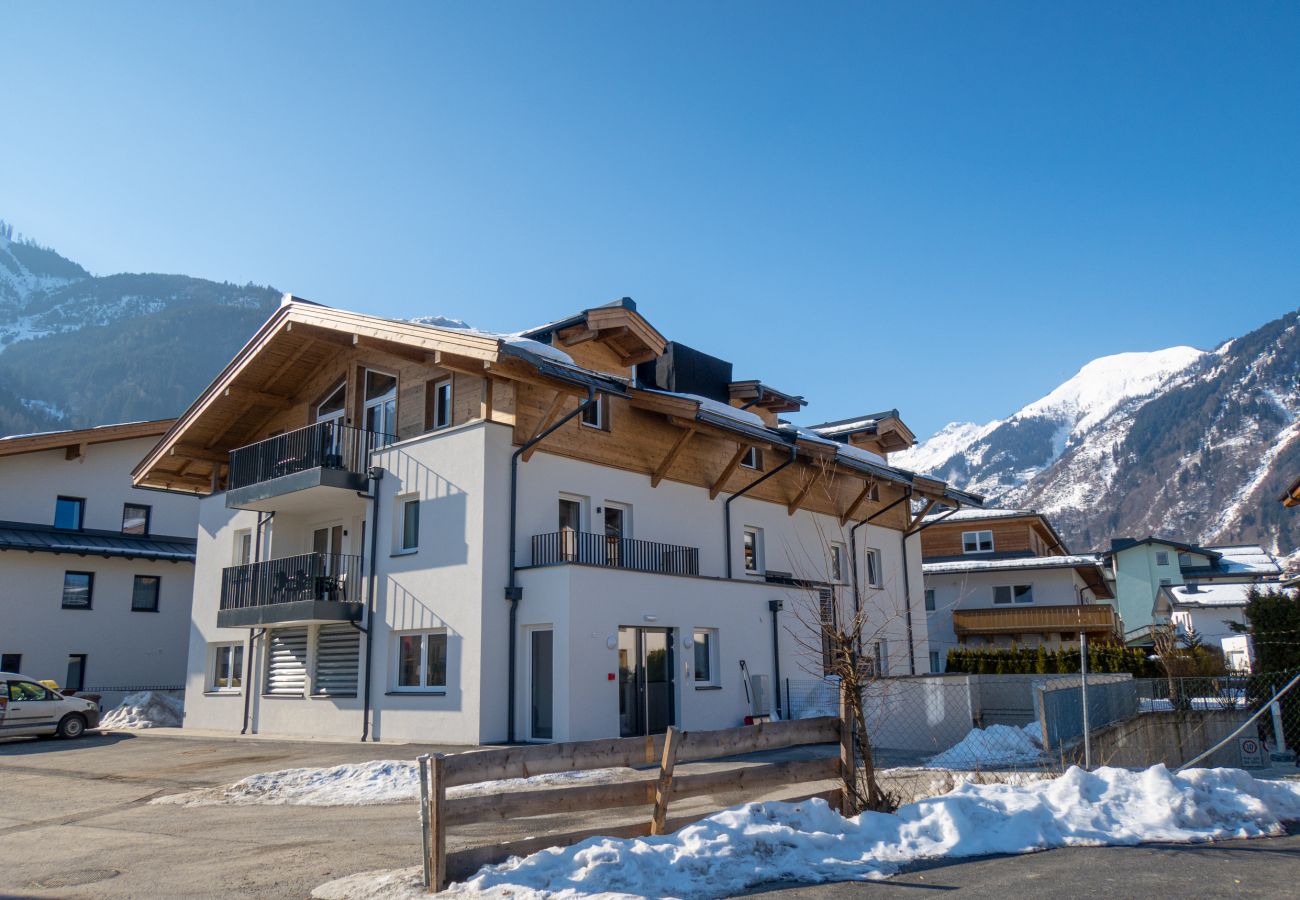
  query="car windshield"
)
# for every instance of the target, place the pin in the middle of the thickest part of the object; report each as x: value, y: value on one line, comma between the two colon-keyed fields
x: 27, y: 690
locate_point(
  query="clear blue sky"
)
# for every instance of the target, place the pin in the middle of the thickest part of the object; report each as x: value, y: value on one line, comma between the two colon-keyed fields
x: 944, y: 207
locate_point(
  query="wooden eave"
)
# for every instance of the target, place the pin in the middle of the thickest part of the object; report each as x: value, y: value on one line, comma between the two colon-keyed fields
x: 755, y: 394
x: 82, y: 438
x: 624, y: 331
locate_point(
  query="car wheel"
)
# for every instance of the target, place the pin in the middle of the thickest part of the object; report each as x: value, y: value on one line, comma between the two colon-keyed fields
x: 72, y: 726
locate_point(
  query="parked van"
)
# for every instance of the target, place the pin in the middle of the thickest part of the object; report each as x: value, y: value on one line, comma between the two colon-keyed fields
x: 27, y: 707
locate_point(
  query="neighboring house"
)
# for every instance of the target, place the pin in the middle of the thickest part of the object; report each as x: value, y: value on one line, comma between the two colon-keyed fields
x: 1004, y: 578
x: 1140, y: 570
x: 1207, y: 608
x: 410, y: 531
x: 97, y: 574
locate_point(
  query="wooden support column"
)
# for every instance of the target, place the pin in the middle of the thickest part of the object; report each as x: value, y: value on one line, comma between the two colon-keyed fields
x: 664, y: 788
x: 867, y: 485
x: 672, y: 455
x: 741, y: 450
x: 438, y: 822
x: 551, y: 414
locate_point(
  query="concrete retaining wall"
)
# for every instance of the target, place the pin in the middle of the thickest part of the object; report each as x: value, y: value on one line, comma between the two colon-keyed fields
x: 1169, y: 737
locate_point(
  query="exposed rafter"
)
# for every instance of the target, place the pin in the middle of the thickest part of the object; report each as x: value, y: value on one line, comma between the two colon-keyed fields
x: 672, y: 455
x: 741, y: 450
x: 799, y: 498
x: 552, y: 412
x: 867, y: 485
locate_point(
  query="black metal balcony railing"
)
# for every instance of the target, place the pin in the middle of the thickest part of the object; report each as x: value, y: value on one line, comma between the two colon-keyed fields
x: 325, y: 445
x: 329, y: 577
x: 560, y: 547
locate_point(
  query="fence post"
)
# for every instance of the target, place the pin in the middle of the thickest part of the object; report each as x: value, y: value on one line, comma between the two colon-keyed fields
x: 848, y: 767
x: 1083, y: 689
x: 438, y: 822
x: 664, y: 789
x: 425, y: 846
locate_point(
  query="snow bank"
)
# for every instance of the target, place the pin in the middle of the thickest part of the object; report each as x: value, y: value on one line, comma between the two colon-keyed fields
x: 145, y: 709
x: 996, y: 745
x: 737, y: 849
x: 360, y: 784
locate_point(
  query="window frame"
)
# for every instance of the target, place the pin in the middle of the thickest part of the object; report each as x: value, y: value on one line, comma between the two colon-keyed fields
x: 752, y: 459
x: 400, y: 535
x: 839, y: 553
x: 81, y: 512
x: 875, y: 568
x: 6, y: 658
x: 237, y: 557
x: 930, y: 603
x: 992, y: 543
x: 936, y: 663
x: 1162, y: 558
x: 714, y: 679
x: 157, y: 593
x: 234, y: 651
x: 1013, y: 594
x: 82, y: 658
x: 760, y: 563
x: 90, y: 590
x: 596, y: 416
x: 395, y: 685
x: 148, y: 518
x: 437, y: 408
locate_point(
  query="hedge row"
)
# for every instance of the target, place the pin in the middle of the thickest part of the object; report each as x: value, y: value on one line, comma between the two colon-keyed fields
x: 1041, y: 661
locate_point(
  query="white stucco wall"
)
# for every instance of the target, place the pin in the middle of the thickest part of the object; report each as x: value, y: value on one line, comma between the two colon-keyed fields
x: 1210, y: 622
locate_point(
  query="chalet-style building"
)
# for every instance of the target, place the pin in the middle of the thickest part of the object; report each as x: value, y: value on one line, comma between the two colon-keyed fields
x: 1154, y: 577
x: 1004, y: 578
x: 98, y: 574
x: 417, y: 532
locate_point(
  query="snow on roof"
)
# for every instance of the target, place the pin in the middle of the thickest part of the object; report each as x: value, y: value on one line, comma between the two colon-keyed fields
x: 969, y: 513
x: 861, y: 454
x: 1010, y: 564
x: 1246, y: 559
x: 1209, y: 594
x: 514, y: 339
x: 15, y: 437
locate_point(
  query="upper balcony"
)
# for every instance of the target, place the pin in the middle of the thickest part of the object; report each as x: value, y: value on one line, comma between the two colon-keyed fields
x: 1093, y: 618
x: 321, y: 458
x: 564, y: 547
x: 313, y: 587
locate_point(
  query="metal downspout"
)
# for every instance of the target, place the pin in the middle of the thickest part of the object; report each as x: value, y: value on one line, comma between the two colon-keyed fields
x: 775, y: 606
x: 248, y: 675
x: 376, y: 475
x: 726, y: 507
x: 514, y: 593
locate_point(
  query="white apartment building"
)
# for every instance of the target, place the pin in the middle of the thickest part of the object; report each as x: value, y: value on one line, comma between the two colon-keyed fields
x: 414, y: 532
x: 97, y: 573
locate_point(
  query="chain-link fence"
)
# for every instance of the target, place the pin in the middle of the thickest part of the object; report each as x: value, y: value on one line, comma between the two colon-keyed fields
x: 1039, y: 723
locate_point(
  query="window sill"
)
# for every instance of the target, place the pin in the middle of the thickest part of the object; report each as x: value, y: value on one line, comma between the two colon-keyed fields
x: 223, y: 693
x: 408, y: 552
x: 333, y: 697
x: 144, y: 610
x: 434, y: 693
x: 708, y: 687
x: 284, y: 696
x: 77, y: 608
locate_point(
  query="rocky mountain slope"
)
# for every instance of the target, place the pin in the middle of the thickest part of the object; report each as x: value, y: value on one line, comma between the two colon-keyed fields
x: 79, y: 350
x: 1180, y: 442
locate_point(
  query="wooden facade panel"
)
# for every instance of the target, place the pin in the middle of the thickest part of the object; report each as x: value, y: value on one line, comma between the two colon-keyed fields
x: 598, y: 357
x: 945, y: 539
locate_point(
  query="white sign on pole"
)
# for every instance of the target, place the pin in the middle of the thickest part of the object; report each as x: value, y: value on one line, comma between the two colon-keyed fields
x: 1252, y: 753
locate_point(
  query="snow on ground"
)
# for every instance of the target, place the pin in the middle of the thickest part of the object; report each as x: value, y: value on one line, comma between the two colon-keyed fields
x: 996, y: 745
x: 809, y: 842
x: 361, y: 784
x: 145, y: 709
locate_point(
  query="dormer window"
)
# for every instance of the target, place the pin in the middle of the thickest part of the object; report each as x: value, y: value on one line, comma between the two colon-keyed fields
x: 977, y: 542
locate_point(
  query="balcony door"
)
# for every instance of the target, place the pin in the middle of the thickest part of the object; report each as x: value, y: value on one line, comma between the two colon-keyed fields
x: 381, y: 404
x: 329, y: 416
x: 570, y: 528
x: 618, y: 521
x: 645, y: 676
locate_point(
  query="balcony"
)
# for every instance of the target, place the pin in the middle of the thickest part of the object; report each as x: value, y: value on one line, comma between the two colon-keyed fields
x: 575, y: 547
x: 327, y: 455
x: 314, y: 587
x: 1092, y: 618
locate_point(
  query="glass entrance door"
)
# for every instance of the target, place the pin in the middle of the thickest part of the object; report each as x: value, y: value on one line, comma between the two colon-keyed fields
x: 541, y: 659
x: 645, y: 674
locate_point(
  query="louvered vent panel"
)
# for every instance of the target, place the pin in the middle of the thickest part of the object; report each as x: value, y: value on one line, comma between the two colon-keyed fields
x: 287, y: 673
x: 338, y: 656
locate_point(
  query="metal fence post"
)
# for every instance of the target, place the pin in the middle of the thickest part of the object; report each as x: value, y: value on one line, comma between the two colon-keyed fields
x: 426, y: 846
x: 1083, y: 690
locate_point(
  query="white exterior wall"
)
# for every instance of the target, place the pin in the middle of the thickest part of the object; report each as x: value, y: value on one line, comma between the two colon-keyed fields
x: 1210, y: 622
x: 125, y: 649
x: 974, y: 590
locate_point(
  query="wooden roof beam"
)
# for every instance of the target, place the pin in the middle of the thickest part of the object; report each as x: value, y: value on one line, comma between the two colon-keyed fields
x: 284, y: 367
x: 261, y: 398
x: 741, y: 450
x: 551, y: 414
x: 914, y: 521
x: 794, y: 505
x: 867, y: 485
x: 671, y: 456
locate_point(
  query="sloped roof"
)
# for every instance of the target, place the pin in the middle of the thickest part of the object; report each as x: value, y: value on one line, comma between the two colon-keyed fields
x: 93, y: 542
x: 1207, y: 595
x: 1089, y: 567
x: 15, y: 444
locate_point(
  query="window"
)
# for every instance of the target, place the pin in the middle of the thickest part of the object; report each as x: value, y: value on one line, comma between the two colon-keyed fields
x: 753, y: 549
x: 706, y: 652
x: 11, y: 662
x: 934, y: 661
x: 227, y: 667
x: 144, y: 593
x: 596, y: 415
x: 873, y: 492
x: 78, y: 588
x: 439, y: 412
x: 977, y: 542
x: 410, y: 524
x: 570, y: 522
x: 29, y: 690
x: 929, y: 599
x: 243, y: 547
x: 69, y: 513
x: 332, y: 408
x: 76, y: 680
x: 753, y: 459
x: 875, y: 575
x: 837, y: 563
x: 421, y: 661
x: 1162, y: 557
x: 135, y: 518
x: 1018, y: 593
x: 1166, y: 582
x: 381, y: 405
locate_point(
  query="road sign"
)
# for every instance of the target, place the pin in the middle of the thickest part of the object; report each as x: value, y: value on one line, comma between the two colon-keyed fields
x: 1252, y: 753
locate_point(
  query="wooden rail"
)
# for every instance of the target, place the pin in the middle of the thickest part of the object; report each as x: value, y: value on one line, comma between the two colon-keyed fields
x: 656, y: 786
x: 1090, y: 617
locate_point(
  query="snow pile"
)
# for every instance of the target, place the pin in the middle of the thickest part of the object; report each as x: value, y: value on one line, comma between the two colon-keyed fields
x: 740, y: 848
x: 996, y: 745
x: 145, y: 709
x: 360, y: 784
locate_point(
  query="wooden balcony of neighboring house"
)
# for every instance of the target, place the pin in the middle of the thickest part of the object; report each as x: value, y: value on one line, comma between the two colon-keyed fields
x: 313, y: 587
x: 324, y: 457
x: 560, y: 548
x: 1093, y: 618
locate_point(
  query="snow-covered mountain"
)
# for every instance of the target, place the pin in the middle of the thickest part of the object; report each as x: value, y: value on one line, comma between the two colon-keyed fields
x: 79, y: 350
x: 1182, y: 442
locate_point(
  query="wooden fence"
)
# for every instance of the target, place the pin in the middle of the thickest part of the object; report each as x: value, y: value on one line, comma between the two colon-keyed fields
x: 656, y: 789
